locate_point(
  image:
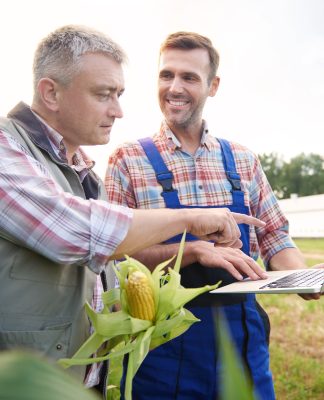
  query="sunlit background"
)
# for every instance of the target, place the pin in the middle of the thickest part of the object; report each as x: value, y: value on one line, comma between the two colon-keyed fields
x: 271, y: 96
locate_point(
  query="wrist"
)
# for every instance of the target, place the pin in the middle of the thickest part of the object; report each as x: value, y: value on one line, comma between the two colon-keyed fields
x: 187, y: 219
x: 190, y: 252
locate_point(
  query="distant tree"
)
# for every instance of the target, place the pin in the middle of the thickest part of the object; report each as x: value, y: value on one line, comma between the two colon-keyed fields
x: 303, y: 174
x: 273, y: 165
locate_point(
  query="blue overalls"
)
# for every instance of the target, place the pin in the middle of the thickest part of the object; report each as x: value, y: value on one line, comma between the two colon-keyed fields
x: 188, y: 367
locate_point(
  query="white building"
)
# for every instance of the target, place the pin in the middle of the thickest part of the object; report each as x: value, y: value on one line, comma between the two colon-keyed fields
x: 305, y: 215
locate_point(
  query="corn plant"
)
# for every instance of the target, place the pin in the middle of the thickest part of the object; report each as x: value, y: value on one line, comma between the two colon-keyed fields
x: 151, y: 313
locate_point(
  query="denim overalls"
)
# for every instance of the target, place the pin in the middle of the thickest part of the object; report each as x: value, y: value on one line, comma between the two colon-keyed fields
x: 188, y: 367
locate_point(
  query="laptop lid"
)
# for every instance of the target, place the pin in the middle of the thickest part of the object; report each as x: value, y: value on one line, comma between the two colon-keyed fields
x: 309, y: 280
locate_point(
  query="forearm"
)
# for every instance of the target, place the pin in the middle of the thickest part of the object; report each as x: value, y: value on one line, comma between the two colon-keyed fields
x: 289, y: 258
x: 149, y: 227
x: 154, y: 255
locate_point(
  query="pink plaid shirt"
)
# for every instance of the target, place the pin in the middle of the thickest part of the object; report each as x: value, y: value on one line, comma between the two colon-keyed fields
x: 64, y: 228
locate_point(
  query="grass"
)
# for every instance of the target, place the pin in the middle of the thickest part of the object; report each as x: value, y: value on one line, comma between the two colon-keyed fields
x: 315, y: 245
x: 297, y: 337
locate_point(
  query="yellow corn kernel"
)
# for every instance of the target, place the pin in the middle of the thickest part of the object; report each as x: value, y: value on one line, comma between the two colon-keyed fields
x: 140, y: 296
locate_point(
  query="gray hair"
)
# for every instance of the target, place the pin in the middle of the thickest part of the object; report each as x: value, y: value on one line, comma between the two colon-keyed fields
x: 58, y: 56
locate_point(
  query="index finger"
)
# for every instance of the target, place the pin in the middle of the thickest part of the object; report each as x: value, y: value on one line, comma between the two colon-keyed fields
x: 247, y: 219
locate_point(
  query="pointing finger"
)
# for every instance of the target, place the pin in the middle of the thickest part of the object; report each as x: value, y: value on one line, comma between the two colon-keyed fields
x: 247, y: 219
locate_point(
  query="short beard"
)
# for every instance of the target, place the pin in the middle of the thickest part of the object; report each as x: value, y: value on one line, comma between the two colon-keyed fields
x: 183, y: 125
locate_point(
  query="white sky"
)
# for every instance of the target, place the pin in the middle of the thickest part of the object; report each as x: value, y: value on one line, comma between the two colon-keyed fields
x: 271, y: 96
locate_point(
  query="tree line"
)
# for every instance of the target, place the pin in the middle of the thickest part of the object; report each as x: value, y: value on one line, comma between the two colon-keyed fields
x: 303, y: 174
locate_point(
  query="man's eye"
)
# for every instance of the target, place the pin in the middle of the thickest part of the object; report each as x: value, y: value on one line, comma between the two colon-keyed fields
x: 103, y: 96
x: 165, y: 75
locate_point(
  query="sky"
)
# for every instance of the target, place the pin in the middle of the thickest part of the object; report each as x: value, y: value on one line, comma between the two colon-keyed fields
x: 271, y: 94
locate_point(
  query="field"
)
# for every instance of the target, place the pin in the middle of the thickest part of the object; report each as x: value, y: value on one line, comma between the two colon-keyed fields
x: 297, y: 337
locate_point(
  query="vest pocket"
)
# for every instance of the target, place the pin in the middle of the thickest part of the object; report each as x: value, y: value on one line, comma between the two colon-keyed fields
x: 52, y: 341
x: 28, y: 266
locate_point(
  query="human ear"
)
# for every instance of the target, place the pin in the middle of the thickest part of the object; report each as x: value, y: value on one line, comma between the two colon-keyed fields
x: 214, y: 86
x: 47, y: 93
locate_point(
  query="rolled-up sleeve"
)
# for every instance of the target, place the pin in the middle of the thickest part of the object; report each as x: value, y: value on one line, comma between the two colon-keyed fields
x: 274, y: 237
x: 36, y: 213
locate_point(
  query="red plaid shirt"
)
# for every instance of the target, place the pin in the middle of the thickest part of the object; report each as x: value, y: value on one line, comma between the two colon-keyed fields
x: 201, y: 181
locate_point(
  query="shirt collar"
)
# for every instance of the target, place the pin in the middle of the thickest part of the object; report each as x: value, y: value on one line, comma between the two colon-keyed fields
x: 81, y: 163
x: 173, y: 142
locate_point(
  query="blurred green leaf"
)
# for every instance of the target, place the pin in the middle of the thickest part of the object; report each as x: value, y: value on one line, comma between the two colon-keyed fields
x: 26, y: 376
x: 235, y: 383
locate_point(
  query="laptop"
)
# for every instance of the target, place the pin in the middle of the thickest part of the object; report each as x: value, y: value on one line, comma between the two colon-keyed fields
x: 309, y: 280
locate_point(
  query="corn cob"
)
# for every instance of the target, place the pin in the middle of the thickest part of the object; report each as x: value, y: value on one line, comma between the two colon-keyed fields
x: 151, y: 314
x: 140, y: 296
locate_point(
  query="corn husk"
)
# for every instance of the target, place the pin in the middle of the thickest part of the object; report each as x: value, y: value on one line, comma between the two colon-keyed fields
x: 136, y: 337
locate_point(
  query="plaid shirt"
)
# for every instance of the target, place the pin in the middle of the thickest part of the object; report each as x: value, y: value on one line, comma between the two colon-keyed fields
x: 62, y: 227
x: 201, y: 181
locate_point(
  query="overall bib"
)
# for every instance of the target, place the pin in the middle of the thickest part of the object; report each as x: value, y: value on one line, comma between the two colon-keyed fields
x: 188, y: 367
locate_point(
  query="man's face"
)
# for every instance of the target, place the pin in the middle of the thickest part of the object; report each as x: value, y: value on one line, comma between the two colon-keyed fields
x: 88, y: 106
x: 183, y: 86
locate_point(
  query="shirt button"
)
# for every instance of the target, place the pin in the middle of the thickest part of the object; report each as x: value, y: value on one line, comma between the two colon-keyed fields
x: 200, y: 186
x: 59, y: 346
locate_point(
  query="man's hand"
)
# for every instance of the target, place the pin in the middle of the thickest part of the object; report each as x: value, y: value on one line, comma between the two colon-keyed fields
x: 292, y: 258
x: 149, y: 227
x: 219, y: 225
x: 232, y: 260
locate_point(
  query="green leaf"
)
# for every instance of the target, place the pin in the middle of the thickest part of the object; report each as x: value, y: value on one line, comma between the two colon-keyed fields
x: 142, y: 348
x: 173, y: 296
x: 180, y: 253
x: 233, y: 370
x: 127, y: 348
x: 184, y: 295
x: 29, y: 377
x: 131, y: 263
x: 111, y: 297
x: 116, y: 323
x: 88, y: 348
x: 164, y: 326
x: 136, y: 358
x: 115, y: 374
x: 177, y: 330
x: 157, y: 276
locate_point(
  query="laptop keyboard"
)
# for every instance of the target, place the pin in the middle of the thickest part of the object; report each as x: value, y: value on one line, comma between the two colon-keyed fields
x: 299, y: 279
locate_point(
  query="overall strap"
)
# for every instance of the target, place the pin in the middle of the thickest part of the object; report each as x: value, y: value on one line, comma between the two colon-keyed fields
x: 163, y: 175
x: 231, y: 173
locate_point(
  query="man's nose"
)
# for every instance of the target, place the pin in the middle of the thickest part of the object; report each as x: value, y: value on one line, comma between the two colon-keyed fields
x: 176, y: 85
x: 115, y: 110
